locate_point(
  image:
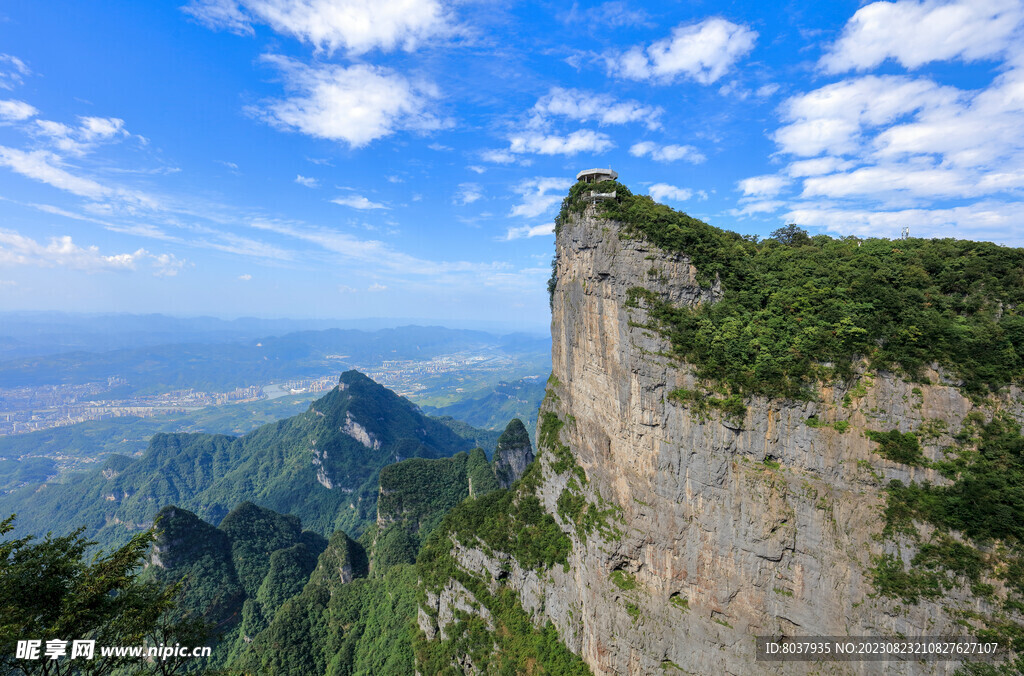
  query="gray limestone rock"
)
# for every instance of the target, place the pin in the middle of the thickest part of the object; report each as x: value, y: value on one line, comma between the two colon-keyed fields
x: 513, y: 453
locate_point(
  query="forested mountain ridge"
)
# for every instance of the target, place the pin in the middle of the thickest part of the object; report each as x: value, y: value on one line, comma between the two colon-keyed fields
x: 235, y: 576
x: 283, y: 600
x: 320, y: 465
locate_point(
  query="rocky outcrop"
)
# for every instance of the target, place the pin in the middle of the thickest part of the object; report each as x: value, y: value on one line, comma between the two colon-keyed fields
x: 513, y: 453
x: 716, y: 529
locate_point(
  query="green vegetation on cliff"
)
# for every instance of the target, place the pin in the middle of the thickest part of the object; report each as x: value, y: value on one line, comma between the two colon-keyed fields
x: 976, y: 524
x: 796, y: 309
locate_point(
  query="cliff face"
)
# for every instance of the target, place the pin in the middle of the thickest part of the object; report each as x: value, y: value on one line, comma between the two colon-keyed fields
x: 730, y: 528
x: 700, y: 530
x: 513, y: 453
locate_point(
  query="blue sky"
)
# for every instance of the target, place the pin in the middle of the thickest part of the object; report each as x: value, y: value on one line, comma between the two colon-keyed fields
x: 355, y: 158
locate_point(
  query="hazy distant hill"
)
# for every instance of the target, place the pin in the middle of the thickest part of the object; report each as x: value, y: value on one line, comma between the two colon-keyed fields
x: 224, y: 366
x: 493, y: 407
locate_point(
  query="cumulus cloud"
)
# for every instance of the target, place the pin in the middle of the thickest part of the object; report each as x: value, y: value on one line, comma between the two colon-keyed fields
x: 582, y: 106
x: 988, y: 220
x: 832, y: 119
x: 527, y: 231
x: 358, y: 202
x: 245, y: 278
x: 16, y: 111
x: 660, y: 192
x: 583, y: 140
x: 915, y: 33
x: 668, y: 153
x: 763, y: 186
x: 357, y: 26
x: 355, y: 104
x: 307, y: 181
x: 17, y: 249
x: 703, y: 52
x: 536, y: 195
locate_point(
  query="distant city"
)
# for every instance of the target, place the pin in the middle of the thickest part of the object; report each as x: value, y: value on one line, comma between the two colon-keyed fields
x: 30, y: 409
x: 34, y: 408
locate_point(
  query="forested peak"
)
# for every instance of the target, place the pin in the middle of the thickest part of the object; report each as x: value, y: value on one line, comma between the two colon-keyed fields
x: 341, y: 562
x: 250, y: 520
x: 172, y: 522
x: 116, y: 462
x: 515, y: 433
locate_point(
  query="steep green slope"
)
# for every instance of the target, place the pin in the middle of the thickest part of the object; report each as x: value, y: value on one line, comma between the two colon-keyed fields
x: 414, y: 497
x: 320, y: 465
x: 352, y: 620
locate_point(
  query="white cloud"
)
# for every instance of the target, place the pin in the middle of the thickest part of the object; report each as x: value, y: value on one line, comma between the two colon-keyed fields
x: 763, y: 186
x: 355, y: 105
x: 372, y: 252
x: 587, y: 107
x: 530, y: 231
x: 41, y: 165
x: 90, y: 132
x: 45, y: 167
x: 245, y: 278
x: 497, y: 156
x: 356, y: 26
x: 536, y: 197
x: 476, y: 169
x: 100, y: 128
x: 831, y: 119
x: 468, y: 193
x: 358, y: 202
x: 307, y: 181
x: 669, y: 153
x: 702, y: 51
x: 377, y: 286
x: 12, y: 71
x: 918, y: 181
x: 17, y: 249
x: 16, y: 111
x: 166, y: 265
x: 988, y: 220
x: 916, y: 33
x: 583, y: 140
x: 817, y: 166
x: 758, y: 207
x: 660, y: 192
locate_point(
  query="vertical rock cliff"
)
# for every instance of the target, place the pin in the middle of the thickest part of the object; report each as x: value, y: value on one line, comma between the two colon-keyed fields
x: 513, y: 453
x: 694, y: 529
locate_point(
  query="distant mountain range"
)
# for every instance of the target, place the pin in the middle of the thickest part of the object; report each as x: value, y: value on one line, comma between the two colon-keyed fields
x: 27, y: 334
x: 221, y: 365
